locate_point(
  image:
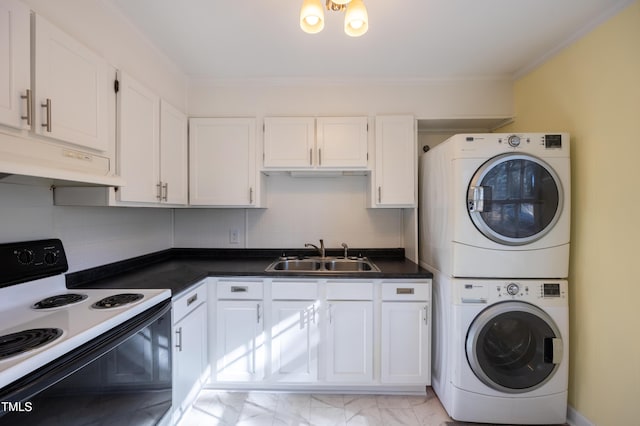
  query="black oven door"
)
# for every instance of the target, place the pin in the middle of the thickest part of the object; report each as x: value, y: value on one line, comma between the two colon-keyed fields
x: 121, y: 377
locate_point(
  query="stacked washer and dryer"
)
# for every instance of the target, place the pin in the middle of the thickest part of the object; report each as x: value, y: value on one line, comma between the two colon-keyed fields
x: 494, y: 229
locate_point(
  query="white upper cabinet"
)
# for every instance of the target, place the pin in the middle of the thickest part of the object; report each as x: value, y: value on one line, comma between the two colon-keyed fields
x: 395, y: 178
x: 222, y: 162
x: 173, y: 155
x: 152, y: 146
x: 289, y: 142
x: 70, y: 89
x: 138, y: 142
x: 14, y: 64
x: 342, y: 142
x: 308, y: 143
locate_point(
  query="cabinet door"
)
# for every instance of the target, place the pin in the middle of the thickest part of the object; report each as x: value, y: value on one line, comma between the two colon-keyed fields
x: 294, y: 341
x: 173, y: 154
x: 239, y: 341
x: 14, y: 63
x: 138, y: 142
x: 189, y: 357
x: 396, y: 156
x: 73, y: 81
x: 342, y: 142
x: 349, y: 349
x: 222, y: 162
x: 289, y: 142
x: 405, y: 356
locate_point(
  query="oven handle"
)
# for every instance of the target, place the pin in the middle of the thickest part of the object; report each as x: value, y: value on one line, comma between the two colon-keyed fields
x: 30, y: 385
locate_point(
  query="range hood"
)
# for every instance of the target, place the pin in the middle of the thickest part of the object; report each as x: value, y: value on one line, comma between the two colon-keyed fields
x: 24, y: 156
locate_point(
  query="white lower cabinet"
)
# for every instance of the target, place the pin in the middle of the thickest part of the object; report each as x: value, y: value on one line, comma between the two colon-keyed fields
x: 349, y: 345
x: 405, y: 349
x: 294, y: 341
x: 328, y: 334
x: 240, y: 345
x: 190, y: 358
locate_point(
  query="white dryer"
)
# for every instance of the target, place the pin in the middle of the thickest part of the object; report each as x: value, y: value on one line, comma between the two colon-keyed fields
x: 501, y: 353
x: 497, y: 206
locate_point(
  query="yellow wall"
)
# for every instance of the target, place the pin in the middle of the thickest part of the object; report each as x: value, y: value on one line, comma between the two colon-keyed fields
x: 592, y: 90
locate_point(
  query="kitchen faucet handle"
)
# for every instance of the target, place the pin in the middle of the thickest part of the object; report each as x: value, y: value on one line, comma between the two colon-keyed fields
x: 346, y: 250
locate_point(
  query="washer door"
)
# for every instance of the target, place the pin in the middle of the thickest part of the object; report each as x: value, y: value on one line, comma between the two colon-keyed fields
x: 513, y: 347
x: 514, y: 199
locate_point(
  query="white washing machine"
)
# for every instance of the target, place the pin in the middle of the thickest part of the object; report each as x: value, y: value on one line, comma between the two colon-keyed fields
x: 497, y: 206
x: 501, y: 351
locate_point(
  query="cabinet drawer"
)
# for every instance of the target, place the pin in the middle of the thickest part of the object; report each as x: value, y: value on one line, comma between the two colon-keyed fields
x: 294, y: 290
x: 410, y: 291
x: 240, y: 290
x: 349, y: 290
x: 192, y: 298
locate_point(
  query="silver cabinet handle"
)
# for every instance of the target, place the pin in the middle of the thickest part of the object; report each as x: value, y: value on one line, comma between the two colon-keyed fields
x: 27, y: 97
x: 179, y: 339
x: 159, y: 191
x: 47, y: 106
x: 426, y: 314
x: 250, y: 195
x: 405, y: 290
x: 258, y: 316
x: 239, y: 289
x: 310, y: 157
x: 379, y: 194
x: 320, y: 156
x: 192, y: 299
x: 330, y: 316
x: 165, y: 188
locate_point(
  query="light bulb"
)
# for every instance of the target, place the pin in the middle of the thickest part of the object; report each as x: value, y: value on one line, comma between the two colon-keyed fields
x: 356, y: 24
x: 311, y: 16
x: 356, y: 20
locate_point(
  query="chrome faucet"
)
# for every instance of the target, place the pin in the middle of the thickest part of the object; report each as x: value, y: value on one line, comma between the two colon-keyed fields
x: 320, y: 250
x: 346, y: 250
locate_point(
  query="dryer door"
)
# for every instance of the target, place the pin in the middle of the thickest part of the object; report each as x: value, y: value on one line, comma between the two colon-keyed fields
x: 513, y: 347
x: 514, y: 199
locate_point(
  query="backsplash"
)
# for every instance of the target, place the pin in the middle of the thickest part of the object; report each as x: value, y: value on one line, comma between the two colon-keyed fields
x: 91, y: 236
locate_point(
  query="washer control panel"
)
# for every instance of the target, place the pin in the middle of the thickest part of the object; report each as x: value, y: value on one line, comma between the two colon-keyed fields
x: 512, y: 289
x: 488, y: 291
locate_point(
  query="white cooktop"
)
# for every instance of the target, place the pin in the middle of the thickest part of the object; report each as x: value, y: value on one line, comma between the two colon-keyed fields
x: 80, y: 322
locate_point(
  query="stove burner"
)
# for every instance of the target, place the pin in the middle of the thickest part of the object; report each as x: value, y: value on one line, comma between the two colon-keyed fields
x: 117, y: 300
x: 59, y: 300
x: 26, y: 340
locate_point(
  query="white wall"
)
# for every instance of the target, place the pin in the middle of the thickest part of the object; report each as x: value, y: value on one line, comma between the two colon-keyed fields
x: 300, y: 210
x: 92, y: 236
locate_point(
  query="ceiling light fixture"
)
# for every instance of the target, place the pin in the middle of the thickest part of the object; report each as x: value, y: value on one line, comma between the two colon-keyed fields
x: 356, y: 20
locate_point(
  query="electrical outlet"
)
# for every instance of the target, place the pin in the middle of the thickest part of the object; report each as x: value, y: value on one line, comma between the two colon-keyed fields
x: 234, y: 236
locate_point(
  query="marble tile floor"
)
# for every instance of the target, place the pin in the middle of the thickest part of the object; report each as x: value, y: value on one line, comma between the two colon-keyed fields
x: 215, y: 407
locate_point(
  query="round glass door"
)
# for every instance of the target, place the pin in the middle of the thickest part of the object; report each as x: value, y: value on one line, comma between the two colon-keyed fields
x: 514, y: 199
x: 513, y: 347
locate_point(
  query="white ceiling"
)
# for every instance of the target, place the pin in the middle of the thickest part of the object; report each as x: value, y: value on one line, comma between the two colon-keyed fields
x: 407, y: 40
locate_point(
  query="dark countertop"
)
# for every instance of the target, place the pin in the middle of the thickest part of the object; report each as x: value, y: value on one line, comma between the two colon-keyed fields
x: 179, y: 269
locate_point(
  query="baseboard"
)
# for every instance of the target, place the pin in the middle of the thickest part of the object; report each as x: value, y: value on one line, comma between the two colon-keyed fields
x: 574, y: 418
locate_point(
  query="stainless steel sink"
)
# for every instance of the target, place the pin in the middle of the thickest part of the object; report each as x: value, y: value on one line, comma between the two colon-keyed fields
x: 323, y: 265
x: 350, y: 265
x: 295, y: 265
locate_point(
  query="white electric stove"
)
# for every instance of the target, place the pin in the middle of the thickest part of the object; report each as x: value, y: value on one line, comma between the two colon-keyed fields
x: 42, y: 322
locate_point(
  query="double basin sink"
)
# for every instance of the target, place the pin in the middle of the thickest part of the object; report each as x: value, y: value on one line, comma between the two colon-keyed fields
x: 321, y: 265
